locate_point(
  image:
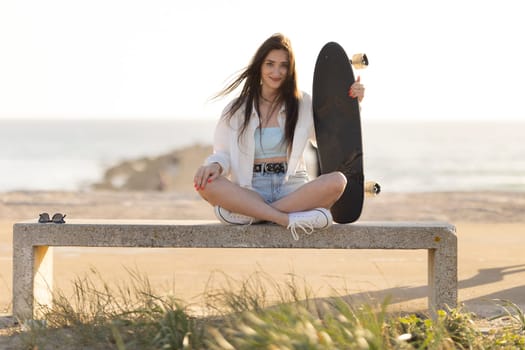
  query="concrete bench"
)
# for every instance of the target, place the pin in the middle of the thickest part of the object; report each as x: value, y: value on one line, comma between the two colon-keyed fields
x: 33, y: 247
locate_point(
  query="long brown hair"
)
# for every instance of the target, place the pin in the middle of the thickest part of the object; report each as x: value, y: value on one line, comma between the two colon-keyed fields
x: 251, y: 90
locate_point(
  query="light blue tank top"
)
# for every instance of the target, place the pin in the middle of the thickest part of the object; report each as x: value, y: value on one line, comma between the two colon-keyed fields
x: 269, y: 143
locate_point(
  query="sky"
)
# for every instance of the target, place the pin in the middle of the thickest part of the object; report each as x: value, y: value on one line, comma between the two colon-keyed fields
x: 153, y: 59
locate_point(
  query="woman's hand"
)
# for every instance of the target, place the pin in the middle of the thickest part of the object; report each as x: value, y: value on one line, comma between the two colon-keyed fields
x: 206, y: 174
x: 357, y: 90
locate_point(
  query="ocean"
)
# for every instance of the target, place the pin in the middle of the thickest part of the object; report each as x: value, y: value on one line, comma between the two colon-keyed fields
x: 401, y: 156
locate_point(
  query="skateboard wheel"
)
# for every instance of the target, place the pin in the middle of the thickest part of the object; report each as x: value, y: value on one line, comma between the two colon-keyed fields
x: 372, y: 188
x: 359, y: 61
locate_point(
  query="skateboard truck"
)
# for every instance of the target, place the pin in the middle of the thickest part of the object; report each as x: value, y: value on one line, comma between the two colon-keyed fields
x: 359, y: 61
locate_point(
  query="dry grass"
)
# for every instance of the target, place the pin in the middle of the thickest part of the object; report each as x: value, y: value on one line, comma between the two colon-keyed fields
x: 246, y: 315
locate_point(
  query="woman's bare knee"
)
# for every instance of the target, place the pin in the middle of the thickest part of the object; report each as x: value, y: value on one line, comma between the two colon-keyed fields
x: 211, y: 191
x: 340, y: 181
x: 335, y: 182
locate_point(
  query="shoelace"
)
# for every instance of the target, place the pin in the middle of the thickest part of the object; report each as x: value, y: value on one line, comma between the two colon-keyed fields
x: 305, y: 226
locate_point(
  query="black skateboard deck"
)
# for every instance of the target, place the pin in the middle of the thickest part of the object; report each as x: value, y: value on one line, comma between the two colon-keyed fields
x: 338, y: 128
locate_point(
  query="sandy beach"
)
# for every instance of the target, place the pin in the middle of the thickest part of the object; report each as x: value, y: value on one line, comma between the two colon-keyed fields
x: 490, y: 228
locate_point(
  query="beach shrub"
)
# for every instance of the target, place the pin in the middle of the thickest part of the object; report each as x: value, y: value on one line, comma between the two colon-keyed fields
x: 244, y: 316
x: 123, y: 316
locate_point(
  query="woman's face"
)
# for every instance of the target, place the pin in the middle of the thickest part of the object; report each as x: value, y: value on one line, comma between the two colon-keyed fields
x: 274, y: 69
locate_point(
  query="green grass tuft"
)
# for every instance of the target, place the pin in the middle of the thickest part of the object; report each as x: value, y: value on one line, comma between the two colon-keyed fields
x: 255, y: 313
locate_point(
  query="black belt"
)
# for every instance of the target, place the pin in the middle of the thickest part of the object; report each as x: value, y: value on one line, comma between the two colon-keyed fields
x: 270, y: 168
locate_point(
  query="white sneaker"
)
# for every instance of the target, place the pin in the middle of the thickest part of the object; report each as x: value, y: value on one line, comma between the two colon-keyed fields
x: 318, y: 218
x: 228, y: 217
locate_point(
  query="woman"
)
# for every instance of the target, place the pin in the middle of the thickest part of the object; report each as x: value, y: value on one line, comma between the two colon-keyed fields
x: 257, y: 170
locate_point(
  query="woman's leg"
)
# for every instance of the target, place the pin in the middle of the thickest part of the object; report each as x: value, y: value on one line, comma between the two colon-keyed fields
x: 321, y: 192
x: 234, y: 198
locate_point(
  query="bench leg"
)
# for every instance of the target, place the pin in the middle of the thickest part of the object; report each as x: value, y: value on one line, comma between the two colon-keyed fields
x: 32, y: 279
x: 442, y: 278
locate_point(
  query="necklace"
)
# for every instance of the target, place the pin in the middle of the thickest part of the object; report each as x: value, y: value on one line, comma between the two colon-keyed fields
x: 267, y: 100
x: 271, y: 109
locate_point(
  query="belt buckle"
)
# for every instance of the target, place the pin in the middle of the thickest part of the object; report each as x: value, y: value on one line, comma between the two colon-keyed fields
x: 274, y: 168
x: 270, y: 168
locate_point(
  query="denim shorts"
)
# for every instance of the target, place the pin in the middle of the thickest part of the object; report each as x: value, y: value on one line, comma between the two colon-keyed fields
x: 271, y: 186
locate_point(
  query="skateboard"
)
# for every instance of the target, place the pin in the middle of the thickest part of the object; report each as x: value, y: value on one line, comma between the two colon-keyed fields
x: 338, y: 127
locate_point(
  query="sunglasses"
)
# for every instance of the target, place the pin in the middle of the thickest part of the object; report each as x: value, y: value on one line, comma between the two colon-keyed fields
x: 57, y: 218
